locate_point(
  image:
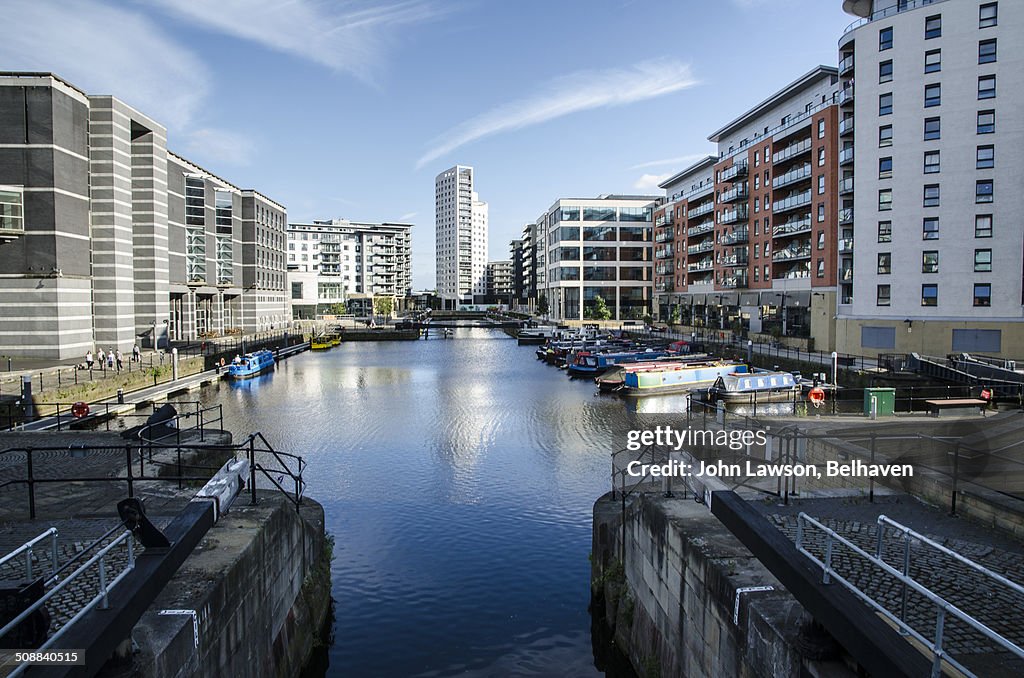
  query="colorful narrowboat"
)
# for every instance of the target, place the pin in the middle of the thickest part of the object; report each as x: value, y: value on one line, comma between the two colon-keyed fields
x: 641, y: 380
x: 251, y: 365
x: 760, y: 386
x: 590, y: 364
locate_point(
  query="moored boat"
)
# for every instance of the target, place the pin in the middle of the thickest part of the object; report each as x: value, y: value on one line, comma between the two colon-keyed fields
x: 657, y: 378
x: 251, y: 365
x: 534, y: 335
x: 323, y: 342
x: 589, y: 364
x: 760, y: 386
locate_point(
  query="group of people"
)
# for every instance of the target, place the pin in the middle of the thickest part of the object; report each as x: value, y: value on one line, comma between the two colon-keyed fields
x: 111, y: 359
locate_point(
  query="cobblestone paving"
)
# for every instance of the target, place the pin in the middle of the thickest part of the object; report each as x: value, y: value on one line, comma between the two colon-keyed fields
x: 996, y: 606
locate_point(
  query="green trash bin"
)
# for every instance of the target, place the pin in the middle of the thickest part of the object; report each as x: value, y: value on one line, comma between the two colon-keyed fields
x: 884, y: 400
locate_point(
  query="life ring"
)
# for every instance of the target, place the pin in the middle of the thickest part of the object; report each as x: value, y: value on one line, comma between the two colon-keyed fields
x: 79, y: 409
x: 816, y: 396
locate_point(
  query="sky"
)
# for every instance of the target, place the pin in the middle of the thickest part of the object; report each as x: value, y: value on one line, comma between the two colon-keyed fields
x: 350, y: 108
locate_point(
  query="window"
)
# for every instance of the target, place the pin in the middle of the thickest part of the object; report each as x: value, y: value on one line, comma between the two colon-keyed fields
x: 933, y: 27
x: 821, y: 184
x: 821, y: 156
x: 986, y: 157
x: 982, y: 294
x: 885, y: 71
x: 986, y: 87
x: 987, y: 51
x: 931, y: 162
x: 932, y: 128
x: 757, y: 204
x: 767, y: 248
x: 931, y: 195
x: 599, y: 214
x: 884, y: 263
x: 983, y: 190
x: 821, y: 268
x: 930, y: 228
x: 885, y: 136
x: 983, y: 226
x: 930, y: 261
x: 885, y: 200
x: 932, y: 95
x: 933, y: 61
x: 757, y: 181
x: 986, y: 122
x: 988, y: 15
x: 11, y: 209
x: 821, y: 212
x: 884, y: 39
x: 884, y: 231
x: 982, y: 261
x: 883, y: 295
x: 885, y: 104
x: 929, y: 295
x: 821, y: 127
x: 885, y: 167
x: 821, y: 240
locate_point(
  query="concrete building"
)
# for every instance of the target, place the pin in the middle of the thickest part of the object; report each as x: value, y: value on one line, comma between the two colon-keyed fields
x: 461, y: 237
x: 747, y: 240
x: 332, y: 262
x: 94, y: 240
x: 933, y: 175
x: 500, y: 286
x: 598, y: 247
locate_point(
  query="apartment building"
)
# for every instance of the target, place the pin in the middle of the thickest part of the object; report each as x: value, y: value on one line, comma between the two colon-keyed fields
x: 598, y: 247
x: 531, y: 276
x: 333, y: 261
x: 931, y: 254
x: 99, y: 245
x: 747, y: 239
x: 461, y: 237
x: 500, y: 288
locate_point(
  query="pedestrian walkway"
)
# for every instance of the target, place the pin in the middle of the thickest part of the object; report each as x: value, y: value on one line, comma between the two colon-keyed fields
x: 48, y: 374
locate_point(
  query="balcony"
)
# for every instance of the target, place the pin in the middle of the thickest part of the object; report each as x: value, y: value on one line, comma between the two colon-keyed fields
x: 792, y: 151
x: 738, y: 192
x: 664, y: 252
x: 846, y: 156
x: 701, y: 229
x: 846, y: 96
x: 666, y: 286
x: 701, y: 210
x: 662, y: 236
x: 665, y: 269
x: 734, y: 215
x: 846, y: 275
x: 845, y: 127
x: 792, y: 227
x: 792, y: 202
x: 792, y: 176
x: 846, y: 216
x: 737, y: 169
x: 663, y: 220
x: 737, y: 237
x: 846, y: 65
x: 846, y: 246
x: 705, y: 265
x: 794, y: 273
x: 734, y: 259
x: 705, y: 246
x: 793, y: 253
x: 846, y: 186
x: 737, y: 281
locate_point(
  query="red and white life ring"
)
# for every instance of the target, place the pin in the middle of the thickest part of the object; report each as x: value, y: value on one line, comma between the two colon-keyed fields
x: 816, y: 396
x: 80, y: 409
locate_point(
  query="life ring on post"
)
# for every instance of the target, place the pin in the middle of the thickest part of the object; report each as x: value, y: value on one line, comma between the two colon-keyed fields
x: 816, y: 396
x: 79, y: 410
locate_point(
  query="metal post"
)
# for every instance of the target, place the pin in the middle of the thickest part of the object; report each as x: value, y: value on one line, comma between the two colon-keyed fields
x: 103, y: 583
x: 53, y: 553
x: 939, y: 623
x: 825, y: 579
x: 252, y: 469
x: 31, y: 485
x: 906, y: 573
x: 871, y: 481
x: 131, y: 479
x: 956, y: 475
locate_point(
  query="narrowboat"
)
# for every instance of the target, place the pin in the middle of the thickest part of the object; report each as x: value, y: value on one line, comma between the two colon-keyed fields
x: 642, y: 380
x: 614, y: 379
x: 590, y: 364
x: 251, y: 365
x: 760, y: 386
x: 533, y: 336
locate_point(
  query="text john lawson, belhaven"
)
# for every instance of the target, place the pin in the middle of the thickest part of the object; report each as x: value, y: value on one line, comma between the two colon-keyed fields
x: 750, y: 469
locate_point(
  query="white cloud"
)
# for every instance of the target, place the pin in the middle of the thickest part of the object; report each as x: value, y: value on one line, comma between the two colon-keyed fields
x: 222, y: 145
x: 106, y: 50
x: 681, y: 160
x: 344, y: 36
x: 649, y: 182
x: 407, y: 216
x: 572, y: 93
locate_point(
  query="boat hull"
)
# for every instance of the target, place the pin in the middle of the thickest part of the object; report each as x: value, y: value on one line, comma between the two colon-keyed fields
x: 658, y: 382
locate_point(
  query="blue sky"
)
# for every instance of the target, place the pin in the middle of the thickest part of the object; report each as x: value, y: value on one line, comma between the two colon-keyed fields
x: 350, y: 108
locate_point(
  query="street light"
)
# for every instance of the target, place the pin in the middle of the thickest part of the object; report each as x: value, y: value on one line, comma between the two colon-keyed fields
x: 835, y: 371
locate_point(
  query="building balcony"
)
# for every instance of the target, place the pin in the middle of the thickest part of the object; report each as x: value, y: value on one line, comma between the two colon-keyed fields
x: 701, y: 229
x: 737, y: 281
x: 663, y: 236
x: 793, y: 253
x: 737, y: 237
x: 706, y: 265
x: 734, y: 215
x: 733, y: 260
x: 663, y: 220
x: 705, y: 246
x: 792, y: 227
x: 845, y: 127
x: 792, y: 151
x: 846, y: 274
x: 664, y: 252
x: 794, y: 273
x: 846, y: 246
x: 846, y: 96
x: 846, y: 64
x: 792, y: 202
x: 738, y: 192
x: 846, y: 216
x: 701, y: 210
x: 846, y: 156
x: 846, y: 186
x: 666, y: 286
x: 801, y: 173
x: 665, y: 269
x: 738, y: 169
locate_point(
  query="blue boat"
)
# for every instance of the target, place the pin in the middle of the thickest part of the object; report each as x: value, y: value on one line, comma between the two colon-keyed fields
x: 589, y: 364
x: 251, y: 365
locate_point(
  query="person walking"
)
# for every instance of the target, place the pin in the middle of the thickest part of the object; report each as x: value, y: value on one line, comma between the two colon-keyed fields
x: 120, y: 360
x: 136, y: 354
x: 102, y: 358
x: 88, y: 359
x: 110, y: 359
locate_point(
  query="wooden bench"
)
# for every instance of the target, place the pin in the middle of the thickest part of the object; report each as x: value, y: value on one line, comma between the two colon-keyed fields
x: 956, y: 406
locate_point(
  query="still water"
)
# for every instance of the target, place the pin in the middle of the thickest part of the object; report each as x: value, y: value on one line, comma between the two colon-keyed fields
x: 457, y: 477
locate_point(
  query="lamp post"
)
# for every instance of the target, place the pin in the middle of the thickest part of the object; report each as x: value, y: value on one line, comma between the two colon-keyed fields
x: 835, y: 370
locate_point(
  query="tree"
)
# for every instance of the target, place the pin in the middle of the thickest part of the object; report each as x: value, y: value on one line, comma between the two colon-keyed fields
x: 383, y: 306
x: 601, y: 311
x: 542, y: 304
x: 675, y: 316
